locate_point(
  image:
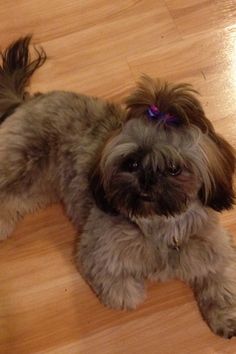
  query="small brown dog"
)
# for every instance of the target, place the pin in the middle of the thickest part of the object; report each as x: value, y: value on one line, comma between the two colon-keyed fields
x: 142, y: 185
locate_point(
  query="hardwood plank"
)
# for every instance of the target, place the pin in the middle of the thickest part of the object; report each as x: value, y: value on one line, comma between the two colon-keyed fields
x: 59, y: 18
x: 104, y: 30
x: 202, y: 15
x: 98, y: 79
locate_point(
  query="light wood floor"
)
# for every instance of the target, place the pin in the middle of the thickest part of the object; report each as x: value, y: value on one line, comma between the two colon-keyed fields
x: 100, y: 47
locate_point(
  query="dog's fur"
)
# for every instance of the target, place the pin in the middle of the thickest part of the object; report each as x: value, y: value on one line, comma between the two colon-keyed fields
x: 144, y: 195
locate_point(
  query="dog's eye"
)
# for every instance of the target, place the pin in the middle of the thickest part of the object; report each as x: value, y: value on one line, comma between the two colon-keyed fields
x: 174, y: 170
x: 131, y: 165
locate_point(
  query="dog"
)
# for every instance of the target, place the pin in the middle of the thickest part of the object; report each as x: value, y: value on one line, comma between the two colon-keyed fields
x: 143, y: 184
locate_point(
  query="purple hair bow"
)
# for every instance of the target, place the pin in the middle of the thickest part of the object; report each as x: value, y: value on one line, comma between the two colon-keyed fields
x: 154, y: 113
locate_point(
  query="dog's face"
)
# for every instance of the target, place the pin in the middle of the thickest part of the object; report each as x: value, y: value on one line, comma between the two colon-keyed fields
x: 149, y: 168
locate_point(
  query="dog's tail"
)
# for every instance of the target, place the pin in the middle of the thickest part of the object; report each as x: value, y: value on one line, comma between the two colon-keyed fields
x: 15, y: 71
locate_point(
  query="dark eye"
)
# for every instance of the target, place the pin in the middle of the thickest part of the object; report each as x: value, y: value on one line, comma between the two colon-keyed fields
x: 130, y: 165
x: 174, y: 170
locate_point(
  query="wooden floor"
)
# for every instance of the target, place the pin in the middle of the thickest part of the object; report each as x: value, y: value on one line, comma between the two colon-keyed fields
x: 100, y: 47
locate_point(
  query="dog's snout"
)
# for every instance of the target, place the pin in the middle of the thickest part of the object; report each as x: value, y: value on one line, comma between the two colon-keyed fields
x: 147, y: 180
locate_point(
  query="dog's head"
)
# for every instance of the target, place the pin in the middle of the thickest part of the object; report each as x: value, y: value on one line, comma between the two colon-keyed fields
x: 164, y: 158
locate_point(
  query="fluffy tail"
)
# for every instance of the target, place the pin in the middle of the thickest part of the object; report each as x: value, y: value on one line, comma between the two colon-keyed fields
x: 15, y: 71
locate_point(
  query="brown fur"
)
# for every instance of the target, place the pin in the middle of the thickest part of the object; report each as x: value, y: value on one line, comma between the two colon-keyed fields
x: 15, y: 72
x: 143, y: 194
x: 180, y: 100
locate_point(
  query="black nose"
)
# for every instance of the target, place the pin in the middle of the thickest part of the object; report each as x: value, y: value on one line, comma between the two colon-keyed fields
x: 147, y: 180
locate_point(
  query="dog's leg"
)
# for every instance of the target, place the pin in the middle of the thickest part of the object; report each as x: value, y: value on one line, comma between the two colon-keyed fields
x: 26, y: 182
x: 114, y: 257
x: 208, y: 264
x: 19, y: 201
x: 14, y: 207
x: 216, y: 297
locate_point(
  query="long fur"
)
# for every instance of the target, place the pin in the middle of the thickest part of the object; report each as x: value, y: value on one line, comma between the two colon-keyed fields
x: 15, y: 72
x: 181, y: 100
x: 143, y: 195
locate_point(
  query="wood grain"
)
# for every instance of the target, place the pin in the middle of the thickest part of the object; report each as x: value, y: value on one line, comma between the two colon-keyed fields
x: 100, y: 47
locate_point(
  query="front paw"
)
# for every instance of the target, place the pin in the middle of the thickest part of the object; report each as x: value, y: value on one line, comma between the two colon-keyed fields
x: 123, y: 294
x: 223, y: 322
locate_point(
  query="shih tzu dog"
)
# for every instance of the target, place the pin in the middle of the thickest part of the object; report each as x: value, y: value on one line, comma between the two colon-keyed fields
x: 142, y: 184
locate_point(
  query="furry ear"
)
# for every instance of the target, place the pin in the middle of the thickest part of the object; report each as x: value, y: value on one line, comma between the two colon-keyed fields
x: 222, y: 169
x: 180, y: 100
x: 96, y: 186
x: 176, y: 99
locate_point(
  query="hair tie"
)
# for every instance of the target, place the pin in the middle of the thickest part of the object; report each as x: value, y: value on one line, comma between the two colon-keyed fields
x: 154, y: 113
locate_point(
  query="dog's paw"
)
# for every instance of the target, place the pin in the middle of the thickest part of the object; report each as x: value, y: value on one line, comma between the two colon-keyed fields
x: 227, y: 332
x: 123, y: 294
x: 223, y: 323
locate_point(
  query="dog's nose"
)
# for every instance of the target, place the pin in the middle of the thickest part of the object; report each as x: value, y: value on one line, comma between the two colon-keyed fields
x: 147, y: 180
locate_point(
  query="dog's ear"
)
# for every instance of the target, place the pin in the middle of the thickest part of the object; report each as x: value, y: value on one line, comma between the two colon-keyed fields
x: 222, y: 168
x: 180, y: 100
x: 96, y: 186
